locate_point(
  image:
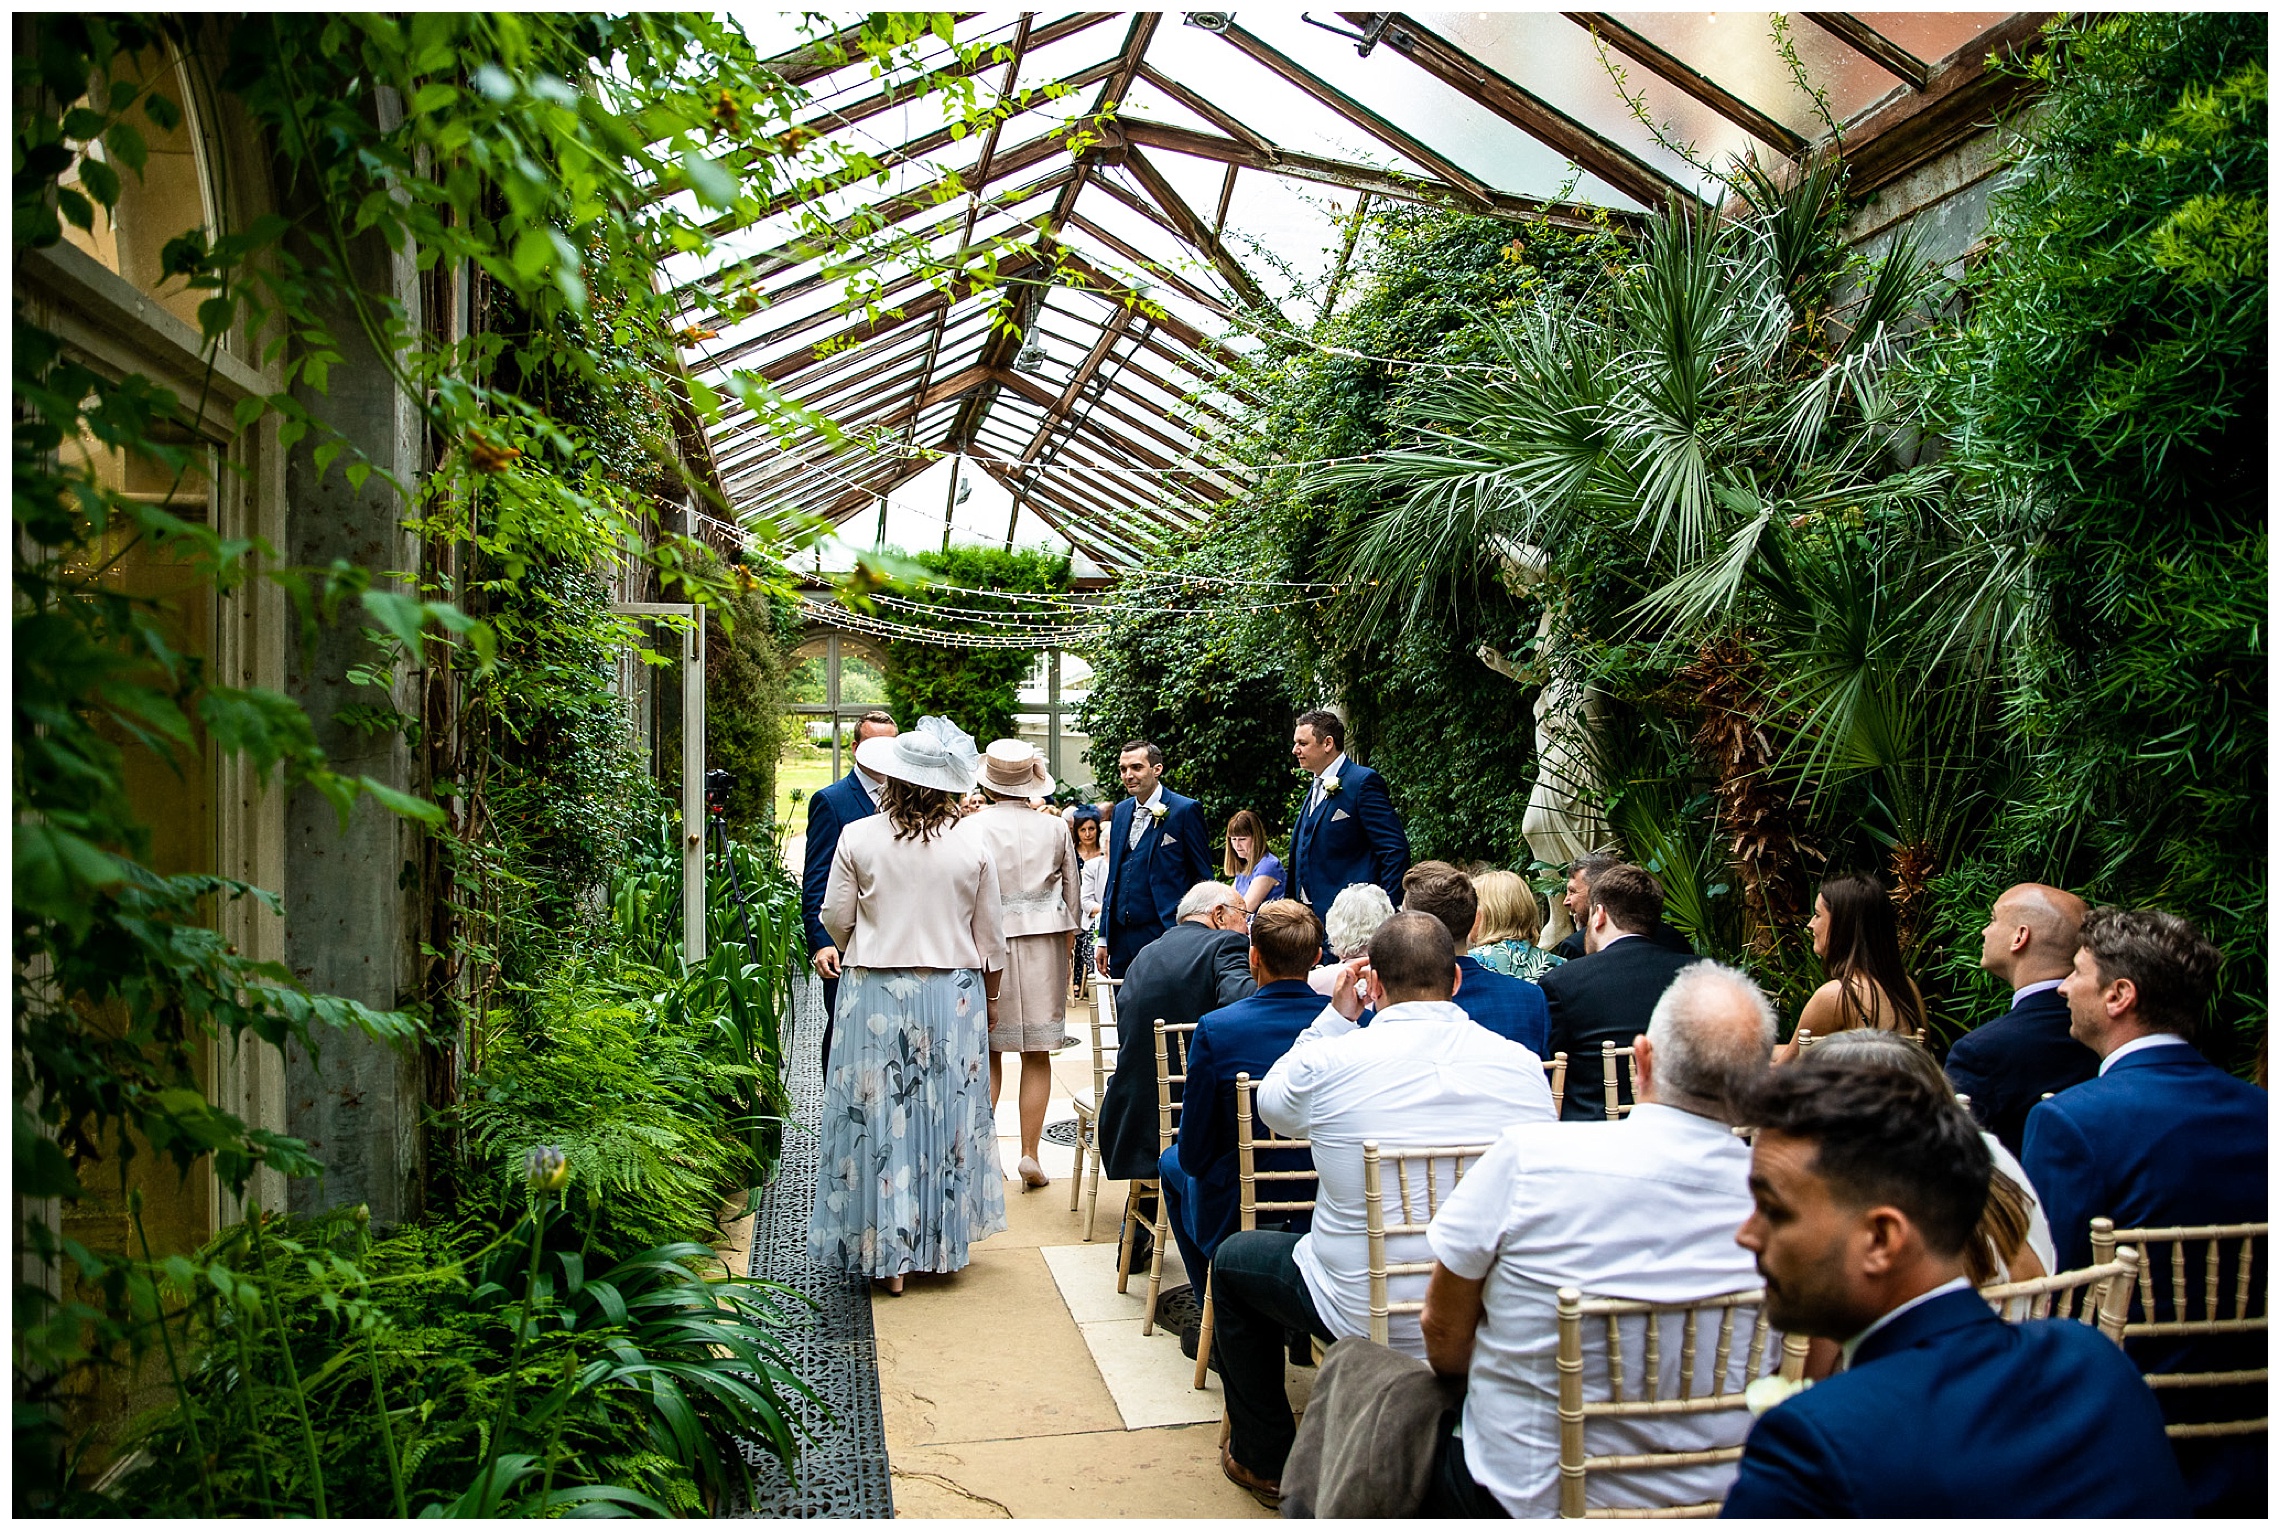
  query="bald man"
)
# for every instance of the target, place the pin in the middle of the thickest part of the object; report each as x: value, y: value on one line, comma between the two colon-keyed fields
x: 2010, y: 1063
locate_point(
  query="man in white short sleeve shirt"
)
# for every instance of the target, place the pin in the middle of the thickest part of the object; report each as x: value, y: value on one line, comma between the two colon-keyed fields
x: 1644, y: 1209
x: 1423, y: 1072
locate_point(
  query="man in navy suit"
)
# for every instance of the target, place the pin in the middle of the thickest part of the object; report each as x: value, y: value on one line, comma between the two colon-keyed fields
x: 1348, y: 831
x: 2161, y: 1138
x: 1247, y: 1037
x: 1868, y: 1183
x: 2010, y: 1063
x: 1158, y: 848
x: 1513, y: 1008
x: 854, y: 796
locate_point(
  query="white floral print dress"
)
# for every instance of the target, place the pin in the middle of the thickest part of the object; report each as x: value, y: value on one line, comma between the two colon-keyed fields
x: 908, y: 1162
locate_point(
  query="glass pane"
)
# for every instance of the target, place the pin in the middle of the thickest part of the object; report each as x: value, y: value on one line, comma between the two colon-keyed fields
x: 861, y: 682
x: 804, y: 683
x: 802, y: 768
x: 1931, y: 35
x: 1737, y: 49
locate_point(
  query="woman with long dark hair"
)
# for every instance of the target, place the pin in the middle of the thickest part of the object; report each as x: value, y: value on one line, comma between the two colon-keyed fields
x: 1092, y: 885
x: 1856, y: 934
x: 908, y: 1168
x: 1249, y: 865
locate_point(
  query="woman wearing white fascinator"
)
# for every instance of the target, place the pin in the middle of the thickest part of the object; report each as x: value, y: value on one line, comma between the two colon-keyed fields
x: 909, y: 1173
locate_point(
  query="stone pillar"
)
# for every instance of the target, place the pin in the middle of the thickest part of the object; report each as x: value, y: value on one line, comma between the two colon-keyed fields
x: 349, y: 915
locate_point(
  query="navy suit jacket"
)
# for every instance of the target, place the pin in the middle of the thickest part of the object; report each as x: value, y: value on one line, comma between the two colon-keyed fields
x: 1513, y: 1008
x: 1141, y: 900
x: 1245, y: 1038
x: 1184, y: 975
x: 1949, y: 1411
x: 2166, y: 1139
x: 2163, y: 1139
x: 831, y: 810
x: 1352, y: 835
x: 2009, y: 1064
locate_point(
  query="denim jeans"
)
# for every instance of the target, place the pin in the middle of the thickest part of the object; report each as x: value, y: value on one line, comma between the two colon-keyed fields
x: 1452, y: 1493
x: 1179, y: 1211
x: 1258, y: 1299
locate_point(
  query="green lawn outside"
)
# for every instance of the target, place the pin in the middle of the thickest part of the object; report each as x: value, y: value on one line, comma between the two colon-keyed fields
x: 802, y: 768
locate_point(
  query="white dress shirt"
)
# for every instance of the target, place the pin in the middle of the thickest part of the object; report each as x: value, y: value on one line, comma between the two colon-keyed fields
x: 1422, y: 1074
x: 870, y: 784
x: 1851, y: 1346
x: 2153, y: 1039
x: 1644, y: 1208
x: 1315, y: 794
x: 2029, y: 990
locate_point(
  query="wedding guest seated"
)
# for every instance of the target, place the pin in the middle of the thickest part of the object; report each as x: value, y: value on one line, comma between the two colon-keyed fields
x: 2010, y: 1063
x: 1576, y: 900
x: 1354, y: 917
x: 2015, y: 1242
x: 1513, y: 1008
x: 2162, y: 1138
x: 1505, y: 931
x: 1607, y: 994
x: 1868, y: 1186
x: 1422, y: 1073
x: 1645, y: 1209
x: 1248, y: 1037
x: 1199, y: 965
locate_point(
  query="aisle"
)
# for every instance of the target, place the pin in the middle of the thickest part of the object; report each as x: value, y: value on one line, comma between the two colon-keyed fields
x: 1022, y: 1387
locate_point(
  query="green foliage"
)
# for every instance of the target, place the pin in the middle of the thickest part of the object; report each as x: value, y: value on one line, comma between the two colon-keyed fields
x: 975, y: 688
x: 638, y: 1099
x: 535, y: 155
x: 2110, y: 406
x: 1218, y: 702
x: 439, y: 1377
x: 1214, y: 665
x: 746, y: 674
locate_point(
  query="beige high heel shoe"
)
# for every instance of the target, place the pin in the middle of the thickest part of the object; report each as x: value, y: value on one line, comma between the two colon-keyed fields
x: 1032, y: 1174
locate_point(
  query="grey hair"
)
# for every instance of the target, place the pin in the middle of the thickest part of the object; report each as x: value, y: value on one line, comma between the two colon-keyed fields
x: 1698, y: 1058
x: 1205, y: 897
x: 1355, y: 915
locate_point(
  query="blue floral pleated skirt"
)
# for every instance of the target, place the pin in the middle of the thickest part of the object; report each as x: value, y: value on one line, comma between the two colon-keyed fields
x: 907, y: 1169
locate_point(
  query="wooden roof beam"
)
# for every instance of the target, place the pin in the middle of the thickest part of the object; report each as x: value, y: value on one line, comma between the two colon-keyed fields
x: 1676, y: 71
x: 1873, y: 45
x: 1206, y: 108
x: 1539, y: 119
x: 869, y: 329
x: 1156, y: 269
x: 1058, y: 415
x: 1351, y: 177
x: 1193, y: 229
x: 1380, y: 127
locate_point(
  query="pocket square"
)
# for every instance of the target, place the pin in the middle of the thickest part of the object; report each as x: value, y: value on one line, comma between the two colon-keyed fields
x: 1340, y: 814
x: 1169, y: 840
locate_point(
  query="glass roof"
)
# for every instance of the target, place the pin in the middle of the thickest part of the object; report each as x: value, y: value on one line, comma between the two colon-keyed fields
x: 1044, y: 311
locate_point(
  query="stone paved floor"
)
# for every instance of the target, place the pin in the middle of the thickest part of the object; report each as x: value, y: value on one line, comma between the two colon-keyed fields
x: 1021, y: 1386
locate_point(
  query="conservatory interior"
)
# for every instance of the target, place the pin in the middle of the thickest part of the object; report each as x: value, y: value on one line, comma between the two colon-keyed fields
x: 475, y: 473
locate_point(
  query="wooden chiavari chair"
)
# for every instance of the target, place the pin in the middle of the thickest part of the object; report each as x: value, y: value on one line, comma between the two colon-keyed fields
x: 2204, y: 1296
x: 1617, y: 1107
x: 1417, y: 1208
x: 2098, y: 1295
x: 1248, y: 1175
x: 1087, y: 1104
x: 1171, y: 1069
x: 1555, y: 1070
x: 1741, y: 1336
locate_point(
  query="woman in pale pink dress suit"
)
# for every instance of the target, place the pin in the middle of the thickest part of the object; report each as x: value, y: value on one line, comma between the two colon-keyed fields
x: 1040, y: 905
